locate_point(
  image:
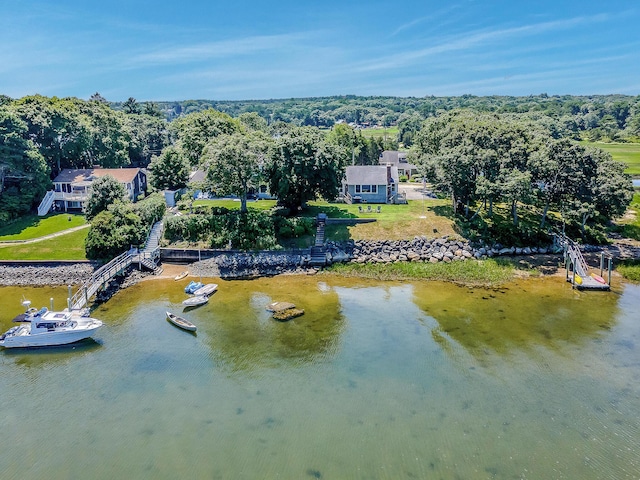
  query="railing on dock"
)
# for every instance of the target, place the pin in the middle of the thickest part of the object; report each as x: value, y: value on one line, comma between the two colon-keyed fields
x: 98, y: 279
x: 147, y: 257
x: 577, y: 268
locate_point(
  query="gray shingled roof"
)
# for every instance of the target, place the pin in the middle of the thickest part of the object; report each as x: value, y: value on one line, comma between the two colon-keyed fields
x: 369, y: 175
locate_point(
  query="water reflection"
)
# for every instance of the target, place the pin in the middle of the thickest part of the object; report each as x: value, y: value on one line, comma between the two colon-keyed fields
x: 520, y: 317
x: 244, y: 336
x: 236, y: 326
x: 376, y: 380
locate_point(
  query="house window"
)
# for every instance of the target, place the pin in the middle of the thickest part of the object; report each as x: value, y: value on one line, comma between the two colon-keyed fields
x: 366, y: 188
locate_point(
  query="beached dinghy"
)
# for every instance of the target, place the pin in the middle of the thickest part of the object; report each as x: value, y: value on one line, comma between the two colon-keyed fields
x: 192, y: 287
x: 181, y: 275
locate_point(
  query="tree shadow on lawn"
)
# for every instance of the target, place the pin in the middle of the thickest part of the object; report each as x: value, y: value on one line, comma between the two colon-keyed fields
x: 333, y: 232
x: 16, y: 227
x: 331, y: 211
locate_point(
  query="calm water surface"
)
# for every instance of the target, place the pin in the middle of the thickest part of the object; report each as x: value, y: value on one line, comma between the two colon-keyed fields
x: 375, y: 381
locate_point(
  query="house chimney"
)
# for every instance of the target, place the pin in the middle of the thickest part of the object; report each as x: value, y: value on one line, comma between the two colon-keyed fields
x: 388, y: 173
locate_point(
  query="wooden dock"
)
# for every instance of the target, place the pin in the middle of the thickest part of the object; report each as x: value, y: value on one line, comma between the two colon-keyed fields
x: 147, y: 257
x: 578, y: 272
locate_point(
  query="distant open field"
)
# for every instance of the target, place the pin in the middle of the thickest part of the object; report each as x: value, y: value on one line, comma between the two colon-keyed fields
x: 628, y: 153
x: 391, y: 132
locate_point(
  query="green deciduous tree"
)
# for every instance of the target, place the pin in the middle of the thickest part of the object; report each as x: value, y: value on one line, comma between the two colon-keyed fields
x: 148, y: 136
x: 58, y: 129
x: 24, y: 175
x: 110, y: 136
x: 234, y: 163
x: 105, y: 191
x: 113, y: 231
x: 169, y: 170
x: 195, y: 130
x: 303, y: 166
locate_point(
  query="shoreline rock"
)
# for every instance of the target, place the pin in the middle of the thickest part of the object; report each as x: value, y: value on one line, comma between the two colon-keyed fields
x: 247, y: 265
x: 30, y: 275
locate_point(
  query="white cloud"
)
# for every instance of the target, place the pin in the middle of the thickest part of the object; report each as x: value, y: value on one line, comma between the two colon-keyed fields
x: 219, y: 49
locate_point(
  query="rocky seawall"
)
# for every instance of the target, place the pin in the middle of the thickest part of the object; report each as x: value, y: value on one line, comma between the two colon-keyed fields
x: 238, y: 265
x: 251, y: 265
x: 422, y: 249
x: 41, y: 275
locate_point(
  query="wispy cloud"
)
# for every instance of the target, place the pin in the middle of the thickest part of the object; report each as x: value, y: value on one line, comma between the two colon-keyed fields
x: 475, y: 39
x: 426, y: 18
x: 220, y: 49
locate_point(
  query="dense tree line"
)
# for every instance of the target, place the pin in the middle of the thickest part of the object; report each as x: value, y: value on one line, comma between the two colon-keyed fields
x: 479, y: 160
x: 40, y: 136
x: 479, y: 150
x: 596, y: 117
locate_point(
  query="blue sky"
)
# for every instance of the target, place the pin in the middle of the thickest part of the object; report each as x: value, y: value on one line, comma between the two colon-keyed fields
x: 242, y: 49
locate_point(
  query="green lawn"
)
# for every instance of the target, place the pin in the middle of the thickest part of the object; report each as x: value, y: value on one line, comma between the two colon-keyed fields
x: 64, y: 247
x: 33, y: 226
x: 628, y: 153
x: 394, y: 222
x: 235, y: 204
x: 391, y: 132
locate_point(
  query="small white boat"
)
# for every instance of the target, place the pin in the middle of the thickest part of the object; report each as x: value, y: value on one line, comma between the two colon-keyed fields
x: 181, y: 275
x: 207, y: 290
x: 181, y: 322
x: 45, y: 328
x: 195, y: 301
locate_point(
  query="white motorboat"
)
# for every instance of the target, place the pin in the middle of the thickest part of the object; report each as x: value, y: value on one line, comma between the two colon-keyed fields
x: 207, y: 290
x: 44, y: 328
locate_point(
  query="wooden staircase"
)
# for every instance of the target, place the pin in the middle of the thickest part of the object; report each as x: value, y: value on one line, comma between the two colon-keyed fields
x: 319, y: 251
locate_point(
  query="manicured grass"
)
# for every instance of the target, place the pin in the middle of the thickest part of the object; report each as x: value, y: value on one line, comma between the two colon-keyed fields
x: 32, y: 226
x: 628, y: 153
x: 64, y: 247
x: 235, y: 204
x: 470, y: 272
x: 390, y: 132
x: 394, y: 222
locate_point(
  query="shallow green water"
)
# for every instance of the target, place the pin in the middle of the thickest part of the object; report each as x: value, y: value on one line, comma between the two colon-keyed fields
x: 376, y: 380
